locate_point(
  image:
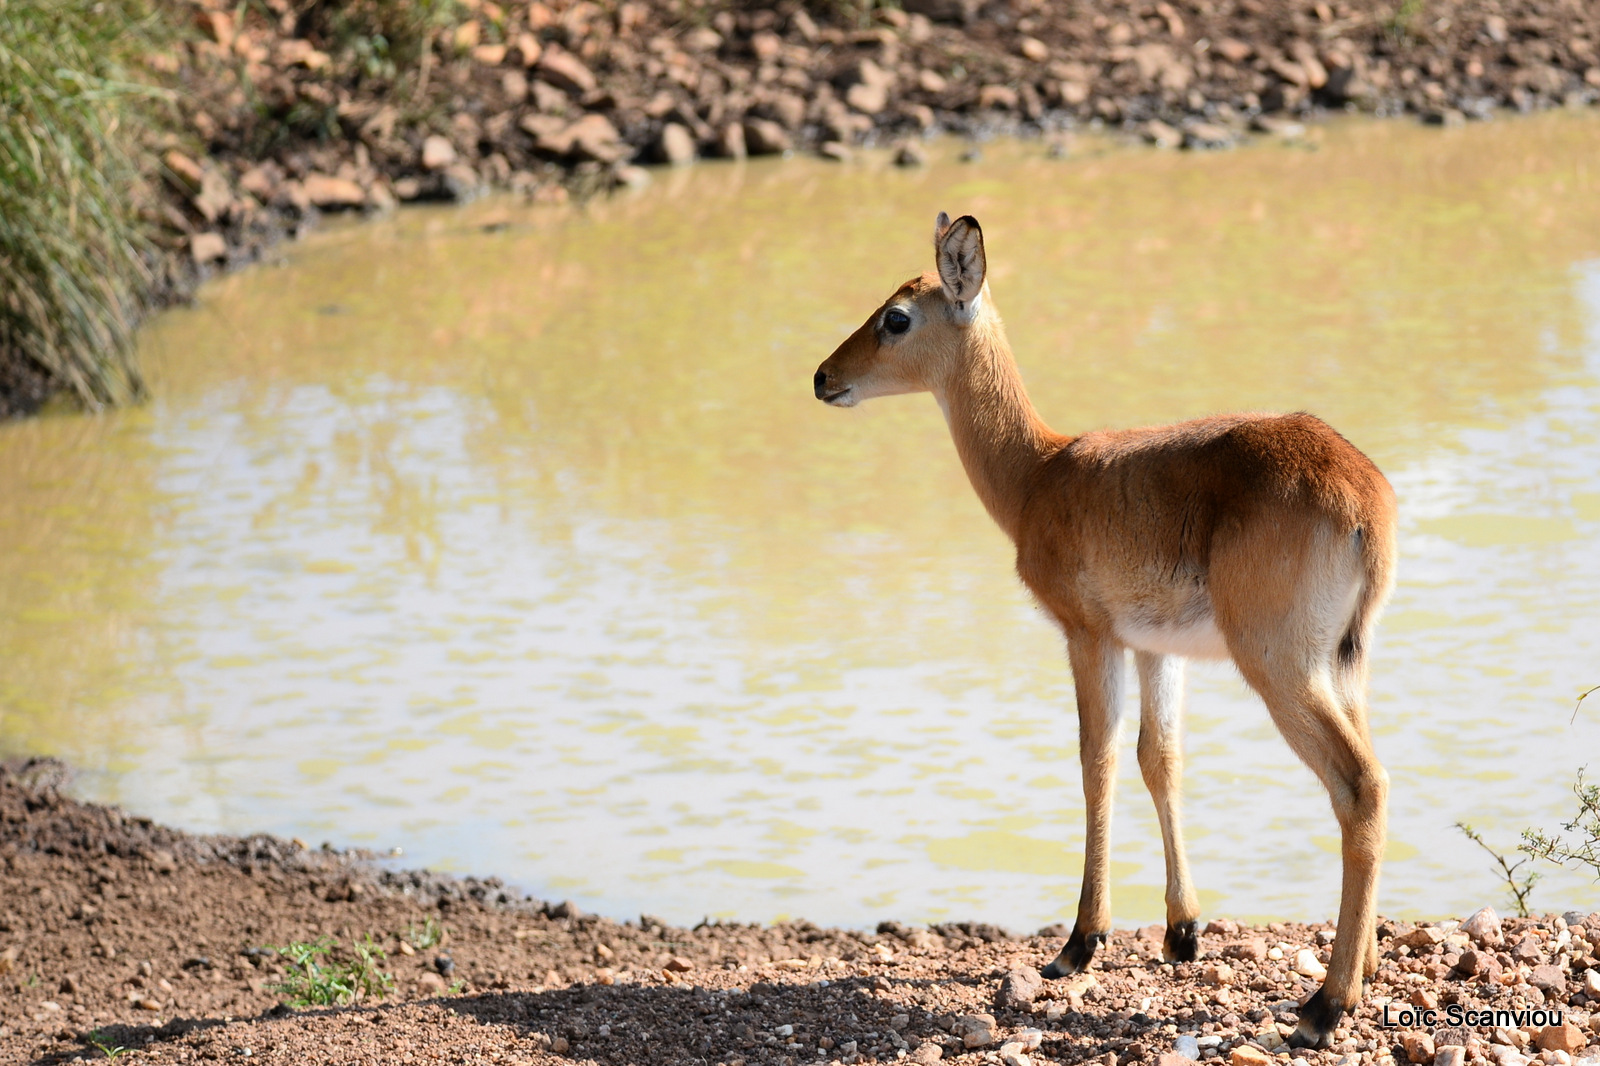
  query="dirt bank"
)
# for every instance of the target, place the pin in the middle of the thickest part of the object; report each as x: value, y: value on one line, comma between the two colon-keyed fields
x: 285, y: 115
x: 118, y: 933
x: 287, y: 108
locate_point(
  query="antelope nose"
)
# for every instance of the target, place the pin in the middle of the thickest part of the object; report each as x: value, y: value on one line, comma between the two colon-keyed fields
x: 819, y: 384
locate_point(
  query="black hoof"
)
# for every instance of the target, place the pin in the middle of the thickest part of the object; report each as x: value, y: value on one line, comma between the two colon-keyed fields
x: 1075, y: 956
x: 1319, y: 1016
x: 1182, y: 943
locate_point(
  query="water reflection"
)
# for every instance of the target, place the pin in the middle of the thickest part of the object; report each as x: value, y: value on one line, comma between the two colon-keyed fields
x: 515, y: 537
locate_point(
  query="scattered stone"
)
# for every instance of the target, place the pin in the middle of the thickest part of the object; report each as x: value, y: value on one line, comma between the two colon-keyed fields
x: 1217, y: 974
x: 1278, y: 126
x: 1253, y: 949
x: 1234, y: 51
x: 1548, y: 978
x: 565, y: 71
x: 215, y: 198
x: 867, y: 98
x: 765, y: 137
x: 1448, y: 117
x: 731, y: 143
x: 1034, y: 49
x: 1307, y: 964
x: 926, y: 1054
x: 630, y: 177
x: 1526, y: 949
x: 790, y: 111
x: 1565, y: 1037
x: 1160, y: 134
x: 1484, y: 926
x: 836, y: 151
x: 1029, y: 1038
x: 1419, y: 1047
x: 676, y: 144
x: 594, y: 137
x: 437, y: 152
x: 430, y: 984
x: 1018, y: 989
x: 1451, y: 1055
x: 910, y: 154
x: 701, y: 39
x: 1423, y: 936
x: 184, y: 170
x: 679, y: 964
x: 1187, y: 1047
x: 205, y: 247
x: 328, y: 192
x: 1001, y: 97
x: 974, y: 1030
x: 1207, y: 135
x: 529, y: 49
x: 1591, y: 985
x: 1249, y: 1055
x: 1014, y: 1054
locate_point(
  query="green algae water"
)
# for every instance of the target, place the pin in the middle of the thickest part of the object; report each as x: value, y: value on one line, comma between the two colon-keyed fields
x: 513, y: 537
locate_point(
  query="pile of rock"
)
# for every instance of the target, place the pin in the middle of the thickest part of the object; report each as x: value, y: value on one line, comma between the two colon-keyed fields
x: 281, y: 120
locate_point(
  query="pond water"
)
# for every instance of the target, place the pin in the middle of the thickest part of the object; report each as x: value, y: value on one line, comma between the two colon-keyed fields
x: 513, y: 536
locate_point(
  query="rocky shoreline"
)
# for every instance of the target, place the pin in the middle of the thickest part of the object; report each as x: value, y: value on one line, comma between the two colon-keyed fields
x: 280, y: 111
x: 283, y: 116
x: 117, y: 933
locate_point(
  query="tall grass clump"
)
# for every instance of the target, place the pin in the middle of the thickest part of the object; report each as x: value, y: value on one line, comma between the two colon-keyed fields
x: 72, y: 270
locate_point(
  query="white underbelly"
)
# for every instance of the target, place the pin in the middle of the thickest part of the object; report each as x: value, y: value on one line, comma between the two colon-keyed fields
x: 1198, y: 639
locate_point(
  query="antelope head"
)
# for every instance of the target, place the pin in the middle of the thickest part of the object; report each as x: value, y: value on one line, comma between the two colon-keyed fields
x: 913, y: 340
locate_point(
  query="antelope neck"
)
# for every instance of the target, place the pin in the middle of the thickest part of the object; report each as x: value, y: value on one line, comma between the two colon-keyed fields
x: 1000, y: 437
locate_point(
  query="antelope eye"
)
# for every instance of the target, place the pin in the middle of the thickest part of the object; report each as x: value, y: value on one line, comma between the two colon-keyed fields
x: 897, y: 321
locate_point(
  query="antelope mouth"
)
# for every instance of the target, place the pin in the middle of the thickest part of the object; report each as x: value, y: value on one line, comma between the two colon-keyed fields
x: 841, y: 397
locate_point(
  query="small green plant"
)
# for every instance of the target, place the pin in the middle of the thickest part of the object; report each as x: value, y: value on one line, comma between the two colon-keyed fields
x: 429, y: 935
x: 1576, y: 707
x: 377, y: 39
x: 316, y: 979
x: 105, y: 1047
x: 1584, y: 848
x: 456, y: 988
x: 1519, y: 888
x: 1401, y: 26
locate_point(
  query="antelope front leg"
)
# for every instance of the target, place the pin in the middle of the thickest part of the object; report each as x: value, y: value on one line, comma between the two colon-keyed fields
x: 1161, y: 763
x: 1097, y: 668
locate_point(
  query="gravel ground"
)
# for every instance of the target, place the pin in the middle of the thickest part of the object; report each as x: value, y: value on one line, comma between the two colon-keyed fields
x: 119, y: 933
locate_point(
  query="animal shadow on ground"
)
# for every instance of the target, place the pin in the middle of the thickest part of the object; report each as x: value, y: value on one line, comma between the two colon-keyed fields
x: 109, y: 1041
x: 632, y: 1025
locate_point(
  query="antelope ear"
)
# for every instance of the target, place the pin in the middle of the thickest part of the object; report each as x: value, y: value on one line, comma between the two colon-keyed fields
x: 958, y: 253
